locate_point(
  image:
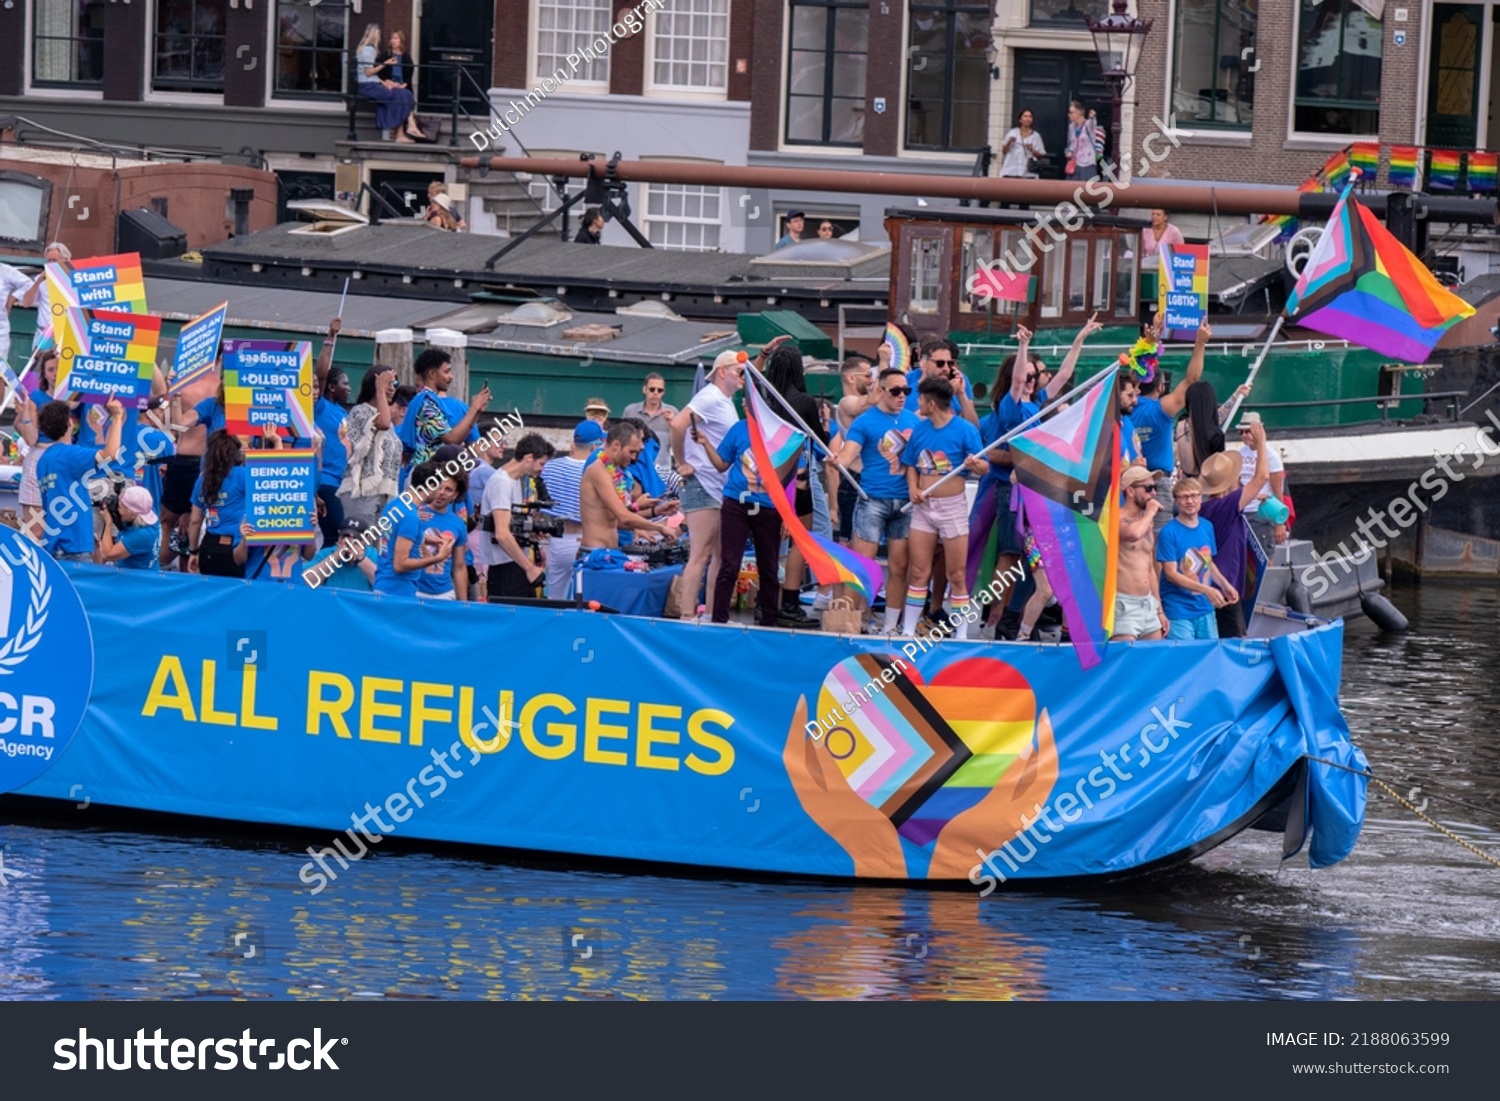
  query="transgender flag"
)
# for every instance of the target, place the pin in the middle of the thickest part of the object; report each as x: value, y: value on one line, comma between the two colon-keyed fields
x: 775, y: 444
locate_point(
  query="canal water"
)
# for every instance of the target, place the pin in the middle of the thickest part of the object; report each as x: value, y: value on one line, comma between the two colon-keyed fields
x: 112, y: 913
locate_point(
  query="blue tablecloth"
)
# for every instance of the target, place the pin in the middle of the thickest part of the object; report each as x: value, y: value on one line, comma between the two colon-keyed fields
x: 635, y: 593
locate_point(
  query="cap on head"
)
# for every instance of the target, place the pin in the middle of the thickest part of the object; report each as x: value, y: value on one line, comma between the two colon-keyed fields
x: 352, y: 526
x: 138, y: 500
x: 588, y: 432
x: 596, y: 407
x: 727, y: 359
x: 1249, y: 419
x: 796, y: 214
x: 1136, y: 475
x: 448, y: 453
x: 1219, y: 473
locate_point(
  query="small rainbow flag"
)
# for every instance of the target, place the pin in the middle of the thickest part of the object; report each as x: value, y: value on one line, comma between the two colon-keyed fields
x: 1443, y: 175
x: 1482, y: 171
x: 45, y: 341
x: 1365, y: 156
x: 1403, y: 167
x: 900, y: 348
x: 830, y: 563
x: 1336, y: 170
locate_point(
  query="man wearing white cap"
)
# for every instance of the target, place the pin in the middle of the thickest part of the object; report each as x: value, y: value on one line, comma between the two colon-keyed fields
x: 137, y: 545
x: 1266, y: 532
x: 710, y: 415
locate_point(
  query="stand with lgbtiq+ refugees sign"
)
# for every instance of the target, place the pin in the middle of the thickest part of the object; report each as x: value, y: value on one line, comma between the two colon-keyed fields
x: 281, y: 489
x: 1183, y: 296
x: 109, y: 355
x: 268, y: 389
x: 110, y: 283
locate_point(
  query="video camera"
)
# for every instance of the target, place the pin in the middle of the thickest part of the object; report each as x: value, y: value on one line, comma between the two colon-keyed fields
x: 661, y: 554
x: 527, y: 523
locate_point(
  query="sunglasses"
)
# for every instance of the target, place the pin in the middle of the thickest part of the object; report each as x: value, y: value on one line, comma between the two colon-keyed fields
x: 943, y: 362
x: 656, y: 389
x: 902, y: 390
x: 1031, y: 377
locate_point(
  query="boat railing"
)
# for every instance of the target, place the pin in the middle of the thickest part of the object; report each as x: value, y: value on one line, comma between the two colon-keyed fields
x: 1226, y: 348
x: 1385, y: 402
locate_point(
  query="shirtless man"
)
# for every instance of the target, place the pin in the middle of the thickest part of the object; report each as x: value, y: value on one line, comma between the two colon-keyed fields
x: 1138, y: 611
x: 600, y: 505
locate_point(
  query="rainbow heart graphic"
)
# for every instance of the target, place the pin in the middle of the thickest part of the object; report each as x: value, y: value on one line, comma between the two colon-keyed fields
x: 924, y: 752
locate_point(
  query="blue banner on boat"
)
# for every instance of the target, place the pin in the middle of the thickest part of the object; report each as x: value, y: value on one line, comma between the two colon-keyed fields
x: 615, y: 736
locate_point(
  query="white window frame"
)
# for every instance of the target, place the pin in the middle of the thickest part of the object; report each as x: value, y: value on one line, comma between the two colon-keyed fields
x: 1306, y: 138
x: 647, y: 220
x: 685, y: 91
x: 576, y: 83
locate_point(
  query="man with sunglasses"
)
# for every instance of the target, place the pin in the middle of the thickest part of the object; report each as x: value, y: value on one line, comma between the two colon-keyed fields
x: 939, y: 359
x: 655, y: 413
x: 1138, y: 610
x: 877, y: 437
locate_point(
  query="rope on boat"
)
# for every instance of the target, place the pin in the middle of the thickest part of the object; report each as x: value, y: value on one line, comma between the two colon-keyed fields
x: 1396, y: 795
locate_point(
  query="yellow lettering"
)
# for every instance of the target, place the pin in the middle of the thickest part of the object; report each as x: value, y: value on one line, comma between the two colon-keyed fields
x: 371, y: 709
x: 594, y: 730
x: 497, y: 740
x: 720, y: 746
x: 218, y: 718
x: 565, y: 733
x: 647, y: 735
x: 421, y: 714
x: 180, y: 699
x: 248, y: 718
x: 334, y: 709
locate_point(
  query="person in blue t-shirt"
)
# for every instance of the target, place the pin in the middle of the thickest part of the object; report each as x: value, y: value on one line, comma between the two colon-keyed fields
x: 876, y: 439
x: 66, y: 474
x: 218, y: 507
x: 434, y: 418
x: 145, y: 456
x: 747, y: 511
x: 938, y: 358
x: 329, y: 416
x: 1191, y: 585
x: 349, y: 564
x: 136, y: 546
x: 269, y: 561
x: 941, y: 443
x: 440, y: 583
x: 1156, y: 414
x: 410, y: 543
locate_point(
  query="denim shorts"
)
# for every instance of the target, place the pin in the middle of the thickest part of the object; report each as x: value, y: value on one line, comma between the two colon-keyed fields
x: 880, y: 519
x: 694, y: 498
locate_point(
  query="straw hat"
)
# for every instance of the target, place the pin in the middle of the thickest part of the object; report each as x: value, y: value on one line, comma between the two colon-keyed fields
x: 1219, y: 473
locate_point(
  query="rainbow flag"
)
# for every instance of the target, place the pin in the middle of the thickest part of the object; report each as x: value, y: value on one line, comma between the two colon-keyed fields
x: 1403, y: 167
x: 830, y: 563
x: 1336, y: 170
x: 900, y: 348
x: 45, y: 341
x: 1482, y: 171
x: 1362, y: 285
x: 1068, y: 477
x: 1365, y: 156
x: 1443, y: 175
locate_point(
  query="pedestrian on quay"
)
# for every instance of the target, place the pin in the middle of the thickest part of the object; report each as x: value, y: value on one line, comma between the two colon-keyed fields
x: 1085, y: 143
x: 654, y: 411
x: 1021, y: 148
x: 394, y: 103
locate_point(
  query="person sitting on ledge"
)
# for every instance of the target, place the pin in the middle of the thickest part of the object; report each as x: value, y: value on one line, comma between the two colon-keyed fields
x: 394, y: 103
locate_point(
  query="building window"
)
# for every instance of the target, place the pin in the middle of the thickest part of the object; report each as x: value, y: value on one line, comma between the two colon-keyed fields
x: 690, y: 45
x: 1066, y: 13
x: 925, y: 286
x: 1338, y: 69
x: 1213, y: 55
x: 825, y: 86
x: 189, y: 46
x: 683, y: 216
x: 565, y: 27
x: 68, y: 42
x: 311, y: 44
x: 948, y: 75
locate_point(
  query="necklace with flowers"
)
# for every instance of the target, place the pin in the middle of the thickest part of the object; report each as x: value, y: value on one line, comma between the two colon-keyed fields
x: 618, y: 476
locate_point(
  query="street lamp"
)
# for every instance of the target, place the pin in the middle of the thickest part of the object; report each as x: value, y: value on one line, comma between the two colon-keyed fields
x: 1117, y: 41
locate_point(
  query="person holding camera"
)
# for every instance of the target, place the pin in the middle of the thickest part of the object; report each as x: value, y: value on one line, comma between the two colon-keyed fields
x: 939, y: 359
x: 511, y: 571
x: 132, y: 533
x: 62, y: 469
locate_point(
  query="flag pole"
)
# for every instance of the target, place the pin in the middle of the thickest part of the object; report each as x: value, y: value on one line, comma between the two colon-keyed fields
x: 1234, y: 406
x: 1028, y: 422
x: 753, y: 373
x: 342, y: 299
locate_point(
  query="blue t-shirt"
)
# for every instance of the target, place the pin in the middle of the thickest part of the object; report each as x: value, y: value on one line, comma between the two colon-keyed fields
x: 877, y: 433
x: 273, y: 562
x: 85, y: 436
x: 1153, y: 428
x: 404, y: 523
x: 59, y: 473
x: 1128, y: 450
x: 914, y: 379
x: 143, y: 541
x: 144, y: 457
x: 329, y: 418
x: 212, y: 414
x: 346, y: 575
x: 438, y: 579
x: 935, y: 450
x: 1010, y: 414
x: 222, y: 515
x: 742, y: 482
x: 453, y: 411
x: 1193, y: 550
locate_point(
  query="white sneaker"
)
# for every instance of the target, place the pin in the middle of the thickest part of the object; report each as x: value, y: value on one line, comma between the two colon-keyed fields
x: 820, y: 602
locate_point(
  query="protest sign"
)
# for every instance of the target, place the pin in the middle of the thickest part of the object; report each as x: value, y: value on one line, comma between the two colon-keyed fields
x: 281, y: 491
x: 198, y: 347
x: 109, y: 283
x: 268, y: 388
x: 108, y: 355
x: 1183, y: 293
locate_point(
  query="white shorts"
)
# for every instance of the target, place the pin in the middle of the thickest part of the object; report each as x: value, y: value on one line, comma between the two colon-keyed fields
x: 1136, y: 615
x: 945, y: 517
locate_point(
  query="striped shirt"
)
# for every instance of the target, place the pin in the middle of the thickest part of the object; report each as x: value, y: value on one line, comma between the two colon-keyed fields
x: 562, y: 477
